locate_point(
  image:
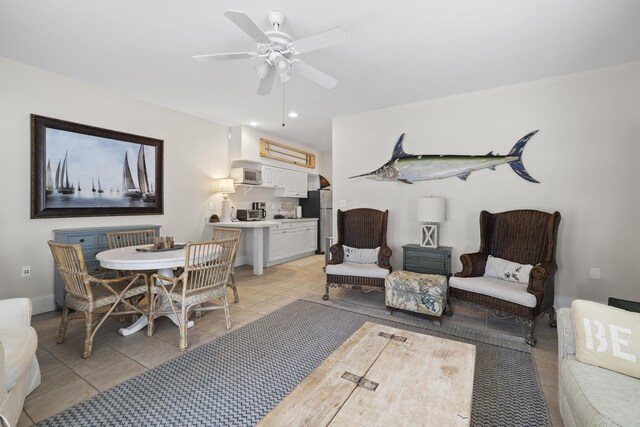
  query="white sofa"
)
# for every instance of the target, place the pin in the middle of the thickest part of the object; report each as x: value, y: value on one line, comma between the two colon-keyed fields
x: 589, y: 395
x: 19, y: 369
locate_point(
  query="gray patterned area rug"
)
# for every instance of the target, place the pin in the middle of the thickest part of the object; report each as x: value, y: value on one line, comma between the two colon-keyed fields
x: 236, y: 379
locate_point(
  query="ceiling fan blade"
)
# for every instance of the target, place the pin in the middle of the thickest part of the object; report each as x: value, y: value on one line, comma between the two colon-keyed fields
x: 223, y: 56
x: 327, y: 38
x: 315, y: 75
x: 247, y: 25
x: 266, y: 84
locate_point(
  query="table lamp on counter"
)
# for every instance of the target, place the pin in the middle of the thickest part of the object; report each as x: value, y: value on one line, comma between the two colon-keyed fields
x: 225, y: 187
x: 432, y: 211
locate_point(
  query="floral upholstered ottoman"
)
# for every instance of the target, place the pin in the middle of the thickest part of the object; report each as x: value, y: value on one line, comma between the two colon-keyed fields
x: 417, y: 292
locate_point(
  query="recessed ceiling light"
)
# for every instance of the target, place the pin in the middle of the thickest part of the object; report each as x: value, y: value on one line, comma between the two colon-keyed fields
x: 293, y: 114
x: 253, y: 123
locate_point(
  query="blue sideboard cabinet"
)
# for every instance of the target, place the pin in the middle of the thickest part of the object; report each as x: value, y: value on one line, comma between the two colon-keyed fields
x: 92, y: 240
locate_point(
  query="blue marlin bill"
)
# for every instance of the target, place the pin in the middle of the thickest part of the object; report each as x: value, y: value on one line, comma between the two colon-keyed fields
x: 409, y: 168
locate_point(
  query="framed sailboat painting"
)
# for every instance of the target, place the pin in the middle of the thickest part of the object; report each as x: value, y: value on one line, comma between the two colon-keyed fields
x: 80, y: 170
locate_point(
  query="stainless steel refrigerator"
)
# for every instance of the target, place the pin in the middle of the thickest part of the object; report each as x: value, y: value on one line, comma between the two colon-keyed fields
x: 318, y: 204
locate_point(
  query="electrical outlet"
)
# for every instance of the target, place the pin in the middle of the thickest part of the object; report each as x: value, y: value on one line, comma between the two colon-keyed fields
x: 26, y: 271
x: 210, y: 206
x: 595, y: 273
x: 342, y: 204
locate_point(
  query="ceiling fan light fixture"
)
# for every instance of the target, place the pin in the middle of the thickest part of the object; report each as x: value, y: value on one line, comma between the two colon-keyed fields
x: 282, y: 65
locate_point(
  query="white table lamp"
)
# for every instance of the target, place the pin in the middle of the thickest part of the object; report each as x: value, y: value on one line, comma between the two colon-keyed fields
x: 431, y: 210
x: 224, y: 186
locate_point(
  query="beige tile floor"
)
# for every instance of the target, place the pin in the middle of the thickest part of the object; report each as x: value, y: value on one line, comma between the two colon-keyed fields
x: 67, y: 379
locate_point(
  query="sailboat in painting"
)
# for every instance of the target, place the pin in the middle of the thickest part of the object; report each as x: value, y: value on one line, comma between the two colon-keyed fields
x: 49, y: 184
x: 129, y: 188
x: 57, y: 181
x: 100, y: 190
x: 148, y: 196
x: 144, y: 189
x: 63, y: 185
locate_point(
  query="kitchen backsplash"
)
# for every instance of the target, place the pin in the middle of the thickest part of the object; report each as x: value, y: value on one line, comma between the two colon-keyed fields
x: 239, y: 200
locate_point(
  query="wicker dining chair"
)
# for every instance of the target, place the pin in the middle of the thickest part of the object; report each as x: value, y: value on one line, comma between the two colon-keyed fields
x: 86, y: 293
x: 220, y: 233
x: 121, y: 239
x: 205, y: 277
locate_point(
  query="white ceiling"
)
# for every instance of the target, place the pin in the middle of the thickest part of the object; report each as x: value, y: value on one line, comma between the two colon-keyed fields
x: 399, y: 52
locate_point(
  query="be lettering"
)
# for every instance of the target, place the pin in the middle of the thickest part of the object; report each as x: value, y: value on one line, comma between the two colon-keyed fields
x: 600, y: 336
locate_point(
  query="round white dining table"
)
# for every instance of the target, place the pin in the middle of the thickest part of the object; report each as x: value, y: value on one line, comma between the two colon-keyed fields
x: 129, y: 258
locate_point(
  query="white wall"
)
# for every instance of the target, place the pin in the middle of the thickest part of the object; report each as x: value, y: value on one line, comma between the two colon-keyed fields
x: 585, y: 157
x: 326, y: 165
x: 195, y: 151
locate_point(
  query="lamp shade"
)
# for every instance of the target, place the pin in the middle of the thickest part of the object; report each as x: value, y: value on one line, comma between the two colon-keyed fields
x: 223, y: 185
x: 431, y: 209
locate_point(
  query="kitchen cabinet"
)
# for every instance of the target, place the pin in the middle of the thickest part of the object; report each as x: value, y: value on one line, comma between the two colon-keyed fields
x: 291, y: 240
x: 273, y: 177
x: 277, y: 245
x: 280, y: 177
x: 268, y: 177
x: 295, y: 185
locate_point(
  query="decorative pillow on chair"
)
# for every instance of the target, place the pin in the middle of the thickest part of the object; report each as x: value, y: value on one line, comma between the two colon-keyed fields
x: 361, y: 256
x: 507, y: 270
x: 607, y: 337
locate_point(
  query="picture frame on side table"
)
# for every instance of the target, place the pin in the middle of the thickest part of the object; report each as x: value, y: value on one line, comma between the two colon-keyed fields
x: 80, y: 170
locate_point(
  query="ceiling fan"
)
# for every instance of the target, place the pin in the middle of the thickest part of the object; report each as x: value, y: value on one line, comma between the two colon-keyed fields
x: 275, y: 51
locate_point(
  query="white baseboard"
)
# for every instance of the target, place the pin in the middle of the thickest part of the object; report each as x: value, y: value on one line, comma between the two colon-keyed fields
x: 43, y: 304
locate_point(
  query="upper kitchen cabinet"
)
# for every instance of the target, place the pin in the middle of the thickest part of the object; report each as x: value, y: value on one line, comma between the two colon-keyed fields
x: 273, y: 177
x: 295, y: 185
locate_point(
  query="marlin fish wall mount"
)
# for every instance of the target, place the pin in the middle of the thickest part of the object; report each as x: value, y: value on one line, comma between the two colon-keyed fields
x: 409, y: 168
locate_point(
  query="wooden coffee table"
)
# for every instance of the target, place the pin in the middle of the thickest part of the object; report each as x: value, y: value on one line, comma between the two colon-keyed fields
x: 383, y: 376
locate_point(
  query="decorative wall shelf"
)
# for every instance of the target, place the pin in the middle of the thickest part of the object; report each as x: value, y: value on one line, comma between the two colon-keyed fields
x: 284, y: 153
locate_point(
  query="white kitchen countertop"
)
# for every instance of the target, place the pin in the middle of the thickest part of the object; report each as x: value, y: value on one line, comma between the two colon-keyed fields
x: 257, y: 224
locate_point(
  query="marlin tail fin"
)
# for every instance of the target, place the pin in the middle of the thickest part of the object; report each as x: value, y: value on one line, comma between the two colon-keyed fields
x: 517, y: 165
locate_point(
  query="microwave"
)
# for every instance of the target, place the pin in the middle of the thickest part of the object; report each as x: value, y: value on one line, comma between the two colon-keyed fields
x: 246, y: 176
x: 249, y: 214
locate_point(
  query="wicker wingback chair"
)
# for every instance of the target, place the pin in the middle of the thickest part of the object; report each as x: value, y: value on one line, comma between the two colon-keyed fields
x: 361, y: 228
x: 521, y: 236
x: 220, y: 233
x: 205, y: 277
x: 87, y: 294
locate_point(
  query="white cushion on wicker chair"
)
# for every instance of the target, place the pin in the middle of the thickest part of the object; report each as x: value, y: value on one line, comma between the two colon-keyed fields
x: 497, y: 288
x: 360, y: 270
